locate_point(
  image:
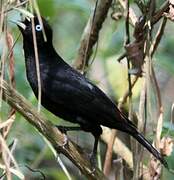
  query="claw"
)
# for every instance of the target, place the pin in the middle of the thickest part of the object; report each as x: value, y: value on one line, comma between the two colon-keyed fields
x: 64, y: 131
x: 65, y: 141
x: 93, y: 170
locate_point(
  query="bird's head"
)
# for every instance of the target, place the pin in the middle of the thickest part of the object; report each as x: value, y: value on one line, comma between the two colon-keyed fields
x: 42, y: 30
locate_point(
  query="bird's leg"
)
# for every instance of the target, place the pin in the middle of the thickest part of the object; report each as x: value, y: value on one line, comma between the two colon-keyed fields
x: 93, y: 156
x: 65, y: 129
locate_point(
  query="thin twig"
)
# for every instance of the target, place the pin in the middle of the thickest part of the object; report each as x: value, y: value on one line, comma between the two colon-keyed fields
x: 153, y: 48
x: 36, y: 60
x: 159, y: 14
x: 129, y: 79
x: 160, y: 109
x: 5, y: 155
x: 158, y: 36
x: 141, y: 127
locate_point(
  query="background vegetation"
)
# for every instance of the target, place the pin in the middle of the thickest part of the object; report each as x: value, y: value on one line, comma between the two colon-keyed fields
x: 68, y: 20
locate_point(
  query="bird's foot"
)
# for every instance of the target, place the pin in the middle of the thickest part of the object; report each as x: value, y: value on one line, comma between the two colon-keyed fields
x: 65, y: 141
x: 64, y: 131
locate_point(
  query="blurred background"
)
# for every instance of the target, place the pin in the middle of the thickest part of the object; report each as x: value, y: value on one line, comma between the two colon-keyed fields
x: 68, y: 20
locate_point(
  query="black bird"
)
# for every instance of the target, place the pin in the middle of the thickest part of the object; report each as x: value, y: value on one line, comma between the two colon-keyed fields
x: 70, y: 95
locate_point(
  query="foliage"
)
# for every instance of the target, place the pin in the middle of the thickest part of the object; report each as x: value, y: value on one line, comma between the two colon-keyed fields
x: 68, y: 19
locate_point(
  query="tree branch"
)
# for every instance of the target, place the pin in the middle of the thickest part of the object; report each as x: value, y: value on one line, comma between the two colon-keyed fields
x: 91, y: 33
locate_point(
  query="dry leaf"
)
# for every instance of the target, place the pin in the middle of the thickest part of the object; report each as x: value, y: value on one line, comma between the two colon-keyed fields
x: 135, y: 50
x: 166, y: 146
x: 170, y: 14
x: 171, y: 2
x: 155, y: 169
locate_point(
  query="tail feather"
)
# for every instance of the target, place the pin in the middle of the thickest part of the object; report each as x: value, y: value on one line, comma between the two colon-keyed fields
x: 142, y: 140
x: 127, y: 126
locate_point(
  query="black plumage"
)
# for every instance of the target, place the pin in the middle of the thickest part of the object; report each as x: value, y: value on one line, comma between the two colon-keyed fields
x: 70, y: 95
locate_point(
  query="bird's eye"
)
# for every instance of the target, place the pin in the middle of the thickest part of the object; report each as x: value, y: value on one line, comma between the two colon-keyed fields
x: 38, y: 27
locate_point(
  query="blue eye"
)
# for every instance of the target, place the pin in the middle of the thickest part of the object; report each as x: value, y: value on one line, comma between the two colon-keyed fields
x: 38, y: 27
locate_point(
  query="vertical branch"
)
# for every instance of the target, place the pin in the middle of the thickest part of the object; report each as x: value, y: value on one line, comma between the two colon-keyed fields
x: 2, y: 71
x: 91, y: 34
x: 3, y: 53
x: 3, y: 31
x: 10, y: 43
x: 86, y: 60
x: 108, y: 155
x: 142, y: 128
x: 148, y: 57
x: 150, y: 75
x: 128, y: 61
x: 129, y: 80
x: 127, y: 23
x: 36, y: 59
x: 154, y: 46
x: 158, y: 36
x: 160, y: 110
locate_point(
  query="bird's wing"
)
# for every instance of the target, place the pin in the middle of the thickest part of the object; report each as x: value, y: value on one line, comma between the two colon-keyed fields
x: 75, y: 92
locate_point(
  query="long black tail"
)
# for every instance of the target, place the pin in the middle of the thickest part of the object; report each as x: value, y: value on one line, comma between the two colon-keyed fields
x: 142, y: 140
